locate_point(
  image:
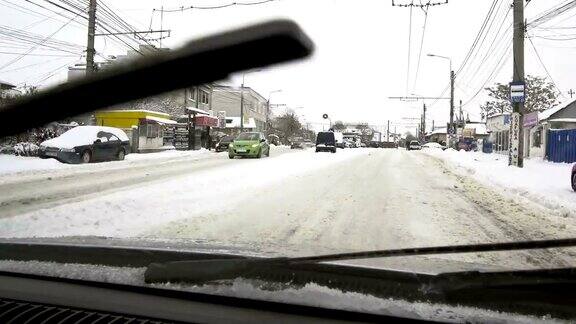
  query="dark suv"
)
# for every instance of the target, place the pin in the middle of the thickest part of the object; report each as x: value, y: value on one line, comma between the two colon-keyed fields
x: 326, y: 142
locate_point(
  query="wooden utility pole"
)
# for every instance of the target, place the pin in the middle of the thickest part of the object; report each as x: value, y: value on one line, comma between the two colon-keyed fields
x: 90, y: 51
x: 516, y: 150
x: 424, y: 122
x: 388, y: 132
x: 451, y: 128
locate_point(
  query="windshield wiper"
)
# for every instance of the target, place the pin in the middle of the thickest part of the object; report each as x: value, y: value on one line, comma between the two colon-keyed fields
x: 201, y: 271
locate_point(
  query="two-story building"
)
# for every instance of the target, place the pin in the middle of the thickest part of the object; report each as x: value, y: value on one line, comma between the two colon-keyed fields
x: 229, y: 100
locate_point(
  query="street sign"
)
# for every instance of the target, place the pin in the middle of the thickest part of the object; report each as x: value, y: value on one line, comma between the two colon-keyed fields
x: 517, y: 92
x: 530, y: 119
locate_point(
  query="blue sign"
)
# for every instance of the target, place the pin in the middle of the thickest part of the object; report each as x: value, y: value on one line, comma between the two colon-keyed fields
x: 517, y: 92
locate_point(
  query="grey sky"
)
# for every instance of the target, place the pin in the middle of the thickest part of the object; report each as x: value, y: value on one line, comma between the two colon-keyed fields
x: 361, y: 56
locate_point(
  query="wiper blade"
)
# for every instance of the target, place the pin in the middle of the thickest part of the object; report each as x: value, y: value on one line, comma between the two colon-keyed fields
x: 220, y: 269
x: 201, y: 61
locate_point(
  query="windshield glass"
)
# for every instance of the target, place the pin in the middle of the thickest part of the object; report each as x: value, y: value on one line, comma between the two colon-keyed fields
x: 248, y: 137
x: 341, y: 169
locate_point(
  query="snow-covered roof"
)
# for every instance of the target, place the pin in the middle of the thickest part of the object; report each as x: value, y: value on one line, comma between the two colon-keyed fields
x: 197, y: 111
x: 145, y: 111
x: 548, y: 112
x: 234, y: 122
x: 480, y: 129
x: 439, y: 130
x: 563, y: 120
x: 161, y: 120
x: 6, y: 85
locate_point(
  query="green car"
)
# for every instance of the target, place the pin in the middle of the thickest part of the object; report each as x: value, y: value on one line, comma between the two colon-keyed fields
x: 251, y: 144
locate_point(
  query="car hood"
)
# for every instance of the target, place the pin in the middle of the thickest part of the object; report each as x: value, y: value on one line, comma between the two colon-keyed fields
x: 245, y: 142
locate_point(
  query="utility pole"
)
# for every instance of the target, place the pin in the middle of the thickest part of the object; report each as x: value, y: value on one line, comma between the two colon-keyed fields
x: 461, y: 113
x: 516, y: 150
x: 424, y: 122
x: 388, y: 132
x: 451, y: 128
x: 571, y: 92
x: 242, y: 106
x: 90, y: 51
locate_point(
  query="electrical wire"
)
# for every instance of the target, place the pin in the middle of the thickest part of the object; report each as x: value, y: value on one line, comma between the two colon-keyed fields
x: 421, y: 47
x: 36, y: 46
x: 409, y: 52
x: 232, y: 4
x: 544, y: 66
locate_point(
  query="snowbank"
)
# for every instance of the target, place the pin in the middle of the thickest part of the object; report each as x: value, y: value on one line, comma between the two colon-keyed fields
x: 15, y: 164
x: 541, y: 182
x: 11, y: 164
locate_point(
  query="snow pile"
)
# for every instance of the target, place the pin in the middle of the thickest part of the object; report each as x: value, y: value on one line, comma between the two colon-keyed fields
x: 15, y: 164
x: 10, y: 164
x: 26, y: 149
x: 83, y: 135
x: 542, y: 182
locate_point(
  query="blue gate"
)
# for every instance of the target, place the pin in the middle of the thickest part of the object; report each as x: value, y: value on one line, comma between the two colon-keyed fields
x: 561, y: 145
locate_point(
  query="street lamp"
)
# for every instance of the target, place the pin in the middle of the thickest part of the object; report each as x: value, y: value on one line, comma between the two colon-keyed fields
x: 450, y: 128
x: 268, y: 107
x: 242, y: 98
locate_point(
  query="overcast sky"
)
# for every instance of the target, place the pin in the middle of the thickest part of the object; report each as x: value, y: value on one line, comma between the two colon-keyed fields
x: 361, y: 55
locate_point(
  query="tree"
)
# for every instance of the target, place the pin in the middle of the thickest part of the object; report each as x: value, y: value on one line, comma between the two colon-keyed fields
x: 338, y: 126
x: 287, y: 126
x: 540, y: 95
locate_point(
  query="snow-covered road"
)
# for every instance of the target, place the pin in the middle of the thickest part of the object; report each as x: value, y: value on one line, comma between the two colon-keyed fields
x: 295, y: 203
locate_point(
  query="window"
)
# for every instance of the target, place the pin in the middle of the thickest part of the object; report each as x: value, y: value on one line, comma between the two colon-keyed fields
x: 193, y: 93
x: 537, y: 138
x: 204, y: 97
x: 152, y: 130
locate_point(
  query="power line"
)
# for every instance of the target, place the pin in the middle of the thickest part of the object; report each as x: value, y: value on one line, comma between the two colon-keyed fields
x: 36, y: 46
x: 544, y: 66
x: 53, y: 55
x: 421, y: 47
x: 232, y: 4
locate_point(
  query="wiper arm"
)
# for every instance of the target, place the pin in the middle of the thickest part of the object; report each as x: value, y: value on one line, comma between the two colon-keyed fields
x: 220, y: 269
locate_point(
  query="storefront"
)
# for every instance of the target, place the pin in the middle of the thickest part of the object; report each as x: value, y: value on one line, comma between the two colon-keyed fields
x: 144, y: 128
x: 498, y: 127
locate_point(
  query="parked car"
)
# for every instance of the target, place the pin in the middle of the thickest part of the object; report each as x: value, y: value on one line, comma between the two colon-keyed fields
x: 326, y: 142
x: 249, y: 144
x: 414, y: 145
x: 362, y: 144
x: 574, y: 177
x: 273, y: 139
x: 301, y: 144
x: 433, y: 145
x: 224, y: 143
x: 84, y: 144
x: 297, y: 145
